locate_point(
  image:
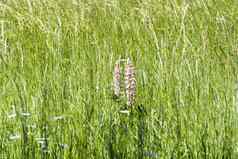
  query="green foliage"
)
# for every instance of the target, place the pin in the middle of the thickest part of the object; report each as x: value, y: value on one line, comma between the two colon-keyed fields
x: 56, y: 64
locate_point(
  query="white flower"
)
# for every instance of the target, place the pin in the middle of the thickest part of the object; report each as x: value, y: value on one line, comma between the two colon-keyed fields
x: 14, y: 137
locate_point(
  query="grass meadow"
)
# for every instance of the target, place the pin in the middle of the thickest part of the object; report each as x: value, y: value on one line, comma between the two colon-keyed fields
x: 56, y: 71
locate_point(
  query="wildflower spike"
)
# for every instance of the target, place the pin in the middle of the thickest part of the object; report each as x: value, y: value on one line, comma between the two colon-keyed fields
x: 116, y: 79
x: 130, y: 82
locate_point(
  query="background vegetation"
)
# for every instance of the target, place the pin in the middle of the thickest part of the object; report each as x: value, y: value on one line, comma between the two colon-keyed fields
x: 56, y: 64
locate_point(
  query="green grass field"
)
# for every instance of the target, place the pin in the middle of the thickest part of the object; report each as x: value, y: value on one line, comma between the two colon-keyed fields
x: 56, y: 71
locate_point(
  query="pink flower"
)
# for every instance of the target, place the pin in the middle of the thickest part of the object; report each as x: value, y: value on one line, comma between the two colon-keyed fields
x: 116, y: 79
x: 130, y: 82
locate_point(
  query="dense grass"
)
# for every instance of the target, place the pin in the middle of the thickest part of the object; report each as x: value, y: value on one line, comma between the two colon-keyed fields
x: 56, y: 64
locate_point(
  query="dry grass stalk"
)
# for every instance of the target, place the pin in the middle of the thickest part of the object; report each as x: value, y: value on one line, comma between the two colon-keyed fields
x: 130, y: 82
x: 116, y: 79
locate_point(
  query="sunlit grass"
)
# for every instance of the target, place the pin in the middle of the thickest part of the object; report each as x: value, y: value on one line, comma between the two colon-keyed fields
x: 56, y: 74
